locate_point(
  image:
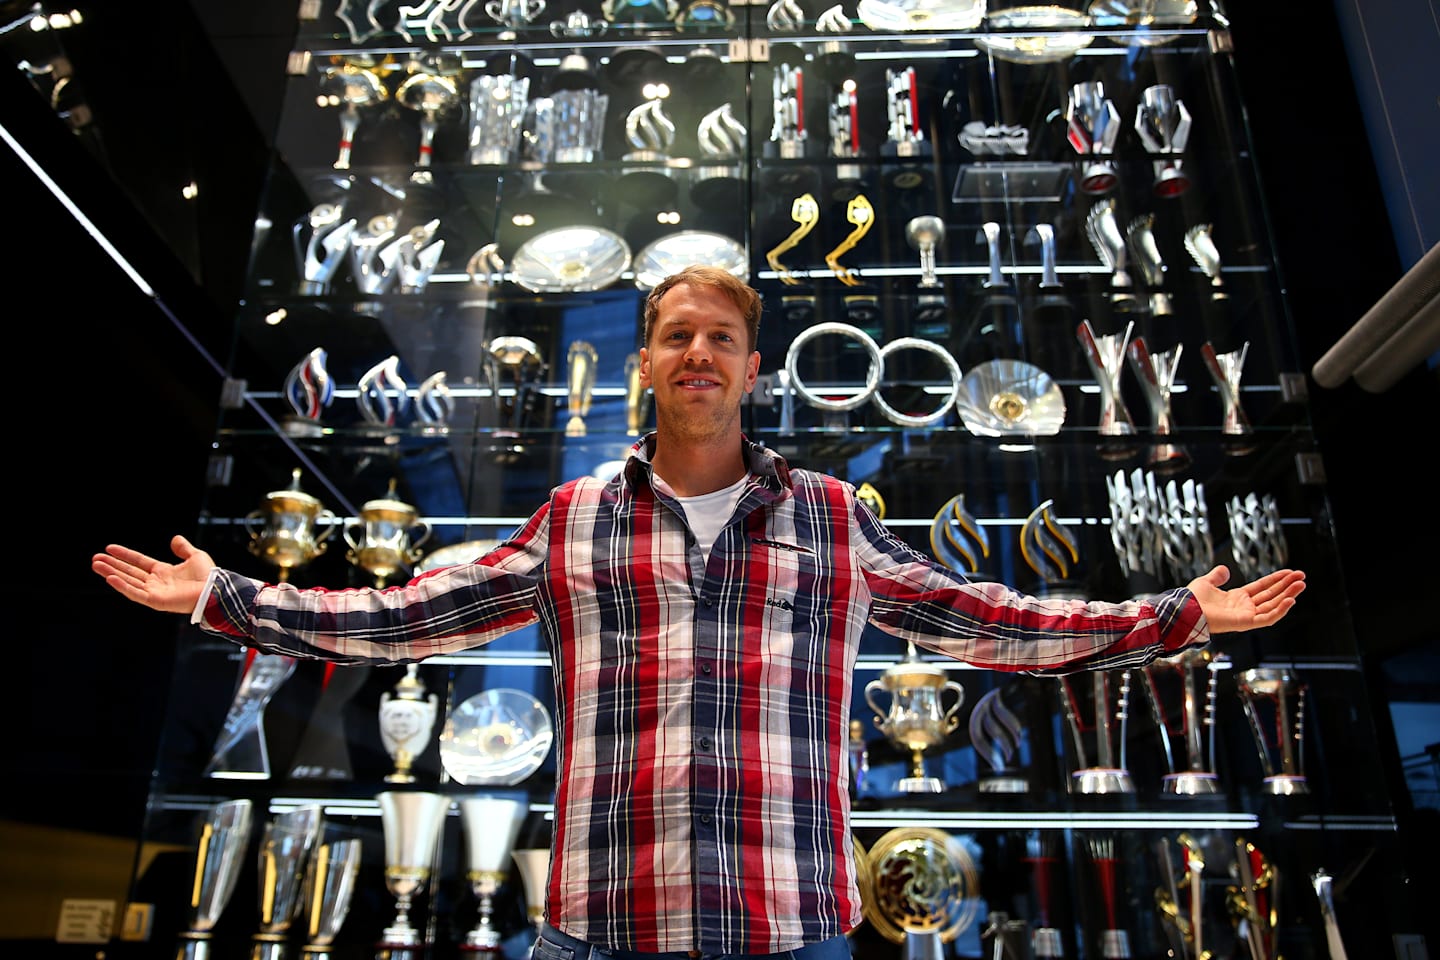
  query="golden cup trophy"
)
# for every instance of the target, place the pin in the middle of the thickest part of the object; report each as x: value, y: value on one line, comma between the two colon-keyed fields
x: 492, y: 825
x: 387, y: 539
x: 285, y: 852
x: 224, y: 835
x: 413, y: 823
x: 917, y: 717
x: 407, y: 718
x: 290, y: 528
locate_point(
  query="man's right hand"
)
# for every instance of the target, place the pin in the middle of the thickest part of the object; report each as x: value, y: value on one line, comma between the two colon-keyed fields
x: 170, y: 587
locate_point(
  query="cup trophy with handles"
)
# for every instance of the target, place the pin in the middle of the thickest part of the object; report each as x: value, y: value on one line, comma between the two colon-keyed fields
x: 412, y: 822
x: 1194, y: 774
x: 290, y: 528
x: 1104, y: 770
x: 917, y: 717
x: 492, y: 825
x: 286, y: 848
x: 534, y: 865
x: 328, y: 892
x: 387, y: 538
x: 1274, y: 703
x: 224, y: 835
x: 407, y: 718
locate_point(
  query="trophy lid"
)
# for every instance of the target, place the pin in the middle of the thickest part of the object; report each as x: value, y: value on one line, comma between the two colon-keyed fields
x: 388, y: 504
x: 914, y: 672
x: 293, y: 493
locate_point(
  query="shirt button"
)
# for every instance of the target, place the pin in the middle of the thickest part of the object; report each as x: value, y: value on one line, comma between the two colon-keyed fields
x: 705, y: 666
x: 704, y: 818
x: 708, y: 603
x: 704, y: 743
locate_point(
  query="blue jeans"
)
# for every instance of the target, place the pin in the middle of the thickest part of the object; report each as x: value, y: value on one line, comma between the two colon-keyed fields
x: 554, y: 945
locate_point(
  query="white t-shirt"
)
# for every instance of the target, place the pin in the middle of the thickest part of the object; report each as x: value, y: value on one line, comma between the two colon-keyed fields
x: 708, y: 512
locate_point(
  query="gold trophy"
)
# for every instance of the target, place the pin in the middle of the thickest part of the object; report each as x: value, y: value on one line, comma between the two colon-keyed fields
x: 582, y: 360
x: 387, y: 539
x: 286, y: 531
x: 413, y: 823
x: 924, y: 890
x: 406, y: 719
x: 224, y: 835
x: 284, y: 858
x: 492, y: 824
x: 917, y: 717
x: 637, y: 399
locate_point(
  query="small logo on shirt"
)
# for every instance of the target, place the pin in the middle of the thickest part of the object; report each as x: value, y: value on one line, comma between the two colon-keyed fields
x: 792, y: 547
x: 779, y: 602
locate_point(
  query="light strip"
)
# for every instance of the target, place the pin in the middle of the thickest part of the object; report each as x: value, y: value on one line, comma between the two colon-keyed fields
x: 76, y: 212
x: 1076, y: 821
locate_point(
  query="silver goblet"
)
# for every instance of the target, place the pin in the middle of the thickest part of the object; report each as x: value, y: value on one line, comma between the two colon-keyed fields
x: 412, y: 822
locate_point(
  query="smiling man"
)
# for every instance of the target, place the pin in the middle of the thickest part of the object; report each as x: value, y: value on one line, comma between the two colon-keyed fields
x: 703, y: 611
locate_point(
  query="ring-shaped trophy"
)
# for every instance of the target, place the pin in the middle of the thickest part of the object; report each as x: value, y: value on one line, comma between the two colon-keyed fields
x: 924, y: 420
x: 872, y: 377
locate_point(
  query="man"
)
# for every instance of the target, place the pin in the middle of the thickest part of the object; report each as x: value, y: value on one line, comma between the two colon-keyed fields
x: 703, y: 611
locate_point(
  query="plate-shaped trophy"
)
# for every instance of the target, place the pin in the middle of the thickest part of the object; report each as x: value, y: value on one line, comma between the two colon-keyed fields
x: 497, y: 738
x: 570, y: 260
x: 924, y: 888
x: 1002, y: 398
x: 675, y: 251
x: 1059, y: 34
x: 921, y: 14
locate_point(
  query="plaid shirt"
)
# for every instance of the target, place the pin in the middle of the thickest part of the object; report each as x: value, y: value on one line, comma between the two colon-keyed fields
x: 702, y: 708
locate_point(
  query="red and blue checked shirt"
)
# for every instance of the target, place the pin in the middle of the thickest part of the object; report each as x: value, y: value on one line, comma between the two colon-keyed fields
x: 702, y: 708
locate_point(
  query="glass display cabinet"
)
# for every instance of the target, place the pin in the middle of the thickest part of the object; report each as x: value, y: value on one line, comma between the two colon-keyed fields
x: 1018, y: 289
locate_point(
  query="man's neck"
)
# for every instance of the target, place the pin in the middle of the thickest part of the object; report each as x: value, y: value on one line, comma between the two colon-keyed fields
x: 695, y: 469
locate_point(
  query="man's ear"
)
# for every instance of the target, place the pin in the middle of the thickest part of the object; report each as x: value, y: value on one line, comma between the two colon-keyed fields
x: 752, y: 371
x: 644, y: 367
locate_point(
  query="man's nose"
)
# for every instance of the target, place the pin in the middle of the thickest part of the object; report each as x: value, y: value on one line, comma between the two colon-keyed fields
x: 698, y: 350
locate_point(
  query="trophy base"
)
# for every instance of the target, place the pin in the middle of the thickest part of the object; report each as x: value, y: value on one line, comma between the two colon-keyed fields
x: 268, y: 946
x: 920, y: 785
x: 1286, y: 785
x: 1190, y: 784
x: 1115, y: 944
x: 194, y: 945
x: 1168, y: 458
x: 923, y: 945
x: 1004, y: 784
x: 1101, y: 780
x: 1045, y: 943
x: 302, y: 428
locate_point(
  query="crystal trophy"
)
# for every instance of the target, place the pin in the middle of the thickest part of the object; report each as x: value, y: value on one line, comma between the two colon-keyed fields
x: 353, y: 86
x: 1157, y: 373
x: 309, y: 391
x: 1092, y: 126
x: 534, y: 866
x: 492, y: 825
x: 328, y: 892
x: 387, y: 538
x: 1104, y: 769
x: 240, y: 750
x: 637, y: 398
x: 1274, y: 703
x: 286, y: 848
x: 1193, y: 773
x: 1163, y: 124
x: 434, y: 404
x: 1257, y: 542
x: 916, y: 717
x: 372, y: 27
x: 407, y: 718
x: 429, y: 95
x: 324, y: 752
x: 290, y: 529
x: 1226, y: 370
x: 224, y: 835
x: 1114, y: 940
x: 1103, y: 228
x: 413, y: 823
x: 497, y: 112
x: 321, y: 239
x: 997, y: 734
x: 1106, y: 357
x: 382, y: 394
x: 580, y: 363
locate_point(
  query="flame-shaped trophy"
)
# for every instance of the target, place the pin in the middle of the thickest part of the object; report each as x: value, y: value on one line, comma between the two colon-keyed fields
x: 382, y: 395
x: 240, y: 750
x: 413, y: 823
x: 580, y: 364
x: 916, y: 718
x: 1196, y: 669
x: 997, y: 734
x: 309, y: 391
x: 1105, y: 770
x: 328, y: 891
x: 1274, y: 704
x: 224, y: 834
x: 284, y: 858
x: 492, y: 825
x: 407, y: 719
x: 434, y: 404
x: 290, y: 528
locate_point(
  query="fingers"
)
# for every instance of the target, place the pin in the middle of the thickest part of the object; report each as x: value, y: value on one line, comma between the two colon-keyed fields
x: 181, y: 547
x: 1277, y: 584
x: 1219, y: 575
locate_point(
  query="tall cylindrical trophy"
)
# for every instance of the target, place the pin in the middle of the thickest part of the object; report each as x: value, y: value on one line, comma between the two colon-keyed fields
x: 412, y: 822
x: 224, y: 835
x: 1195, y: 670
x: 1104, y: 770
x: 492, y: 825
x: 284, y: 858
x: 329, y: 889
x: 1274, y: 704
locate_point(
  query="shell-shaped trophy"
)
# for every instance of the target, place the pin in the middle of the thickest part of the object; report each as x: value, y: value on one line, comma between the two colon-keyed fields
x: 387, y: 538
x: 925, y: 889
x: 286, y: 848
x: 290, y: 528
x: 1099, y: 740
x: 916, y: 717
x: 1002, y: 398
x: 492, y: 825
x: 240, y: 751
x: 407, y: 718
x: 328, y: 892
x: 580, y: 364
x: 309, y: 391
x: 224, y: 835
x: 413, y: 822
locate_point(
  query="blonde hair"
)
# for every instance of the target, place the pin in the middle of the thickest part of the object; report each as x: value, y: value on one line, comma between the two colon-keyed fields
x: 701, y: 275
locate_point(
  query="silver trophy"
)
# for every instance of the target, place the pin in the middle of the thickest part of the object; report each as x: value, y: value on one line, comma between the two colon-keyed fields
x: 722, y: 139
x: 1257, y: 541
x: 1102, y: 225
x: 925, y: 234
x: 996, y: 734
x: 434, y: 404
x: 1226, y: 370
x: 1274, y: 703
x: 916, y: 717
x: 1136, y: 527
x: 350, y: 87
x: 534, y: 866
x: 309, y: 391
x: 375, y: 254
x: 650, y: 133
x: 492, y: 825
x: 787, y: 129
x: 1185, y: 530
x: 844, y: 125
x: 328, y: 892
x: 240, y: 750
x: 224, y: 835
x: 516, y: 361
x: 514, y: 14
x: 290, y: 528
x: 580, y: 364
x: 1100, y: 740
x: 1106, y: 356
x: 407, y: 718
x: 321, y: 239
x: 1163, y: 124
x: 286, y: 848
x: 387, y: 538
x: 1192, y: 773
x: 1157, y: 373
x: 1092, y: 126
x: 382, y: 394
x: 1200, y: 244
x: 413, y: 823
x: 1145, y: 251
x: 906, y: 132
x: 430, y: 95
x: 419, y: 255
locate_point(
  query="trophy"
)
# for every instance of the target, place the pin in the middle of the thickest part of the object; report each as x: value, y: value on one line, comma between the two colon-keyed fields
x: 787, y: 130
x: 1114, y: 941
x: 372, y: 22
x: 1157, y: 373
x: 996, y: 735
x: 1323, y: 884
x: 1274, y: 703
x: 1103, y: 228
x: 722, y: 140
x: 1254, y: 905
x: 284, y: 858
x: 283, y: 530
x: 224, y: 835
x: 1106, y: 356
x: 1163, y: 124
x: 321, y: 239
x: 1225, y: 369
x: 1092, y: 126
x: 382, y: 394
x: 514, y: 14
x: 1145, y: 250
x: 387, y: 538
x: 844, y: 124
x: 1107, y: 772
x: 637, y: 398
x: 650, y: 134
x: 1200, y: 243
x: 492, y: 825
x: 434, y: 404
x: 1041, y: 855
x: 519, y: 360
x: 428, y: 94
x: 309, y: 390
x: 1257, y: 542
x: 581, y: 377
x: 497, y: 112
x: 323, y: 753
x: 925, y: 888
x: 420, y: 254
x: 1136, y: 530
x: 916, y: 718
x: 240, y: 750
x: 325, y: 901
x: 534, y: 864
x: 354, y: 86
x: 375, y: 254
x: 905, y: 133
x: 1185, y: 528
x: 925, y: 234
x: 859, y: 756
x: 1196, y: 669
x: 406, y: 719
x: 1048, y: 548
x: 413, y: 823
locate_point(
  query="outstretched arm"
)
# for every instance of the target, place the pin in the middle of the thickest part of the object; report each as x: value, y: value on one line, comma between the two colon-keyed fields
x: 169, y: 587
x: 1258, y: 603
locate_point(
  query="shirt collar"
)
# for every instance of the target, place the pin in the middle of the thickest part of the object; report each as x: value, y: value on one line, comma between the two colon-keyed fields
x: 764, y: 463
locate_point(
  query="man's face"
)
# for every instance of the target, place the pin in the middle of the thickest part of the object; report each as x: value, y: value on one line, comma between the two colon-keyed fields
x: 698, y: 363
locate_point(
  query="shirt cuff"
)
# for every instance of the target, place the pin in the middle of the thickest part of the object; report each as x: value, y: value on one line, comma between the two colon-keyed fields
x: 197, y: 615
